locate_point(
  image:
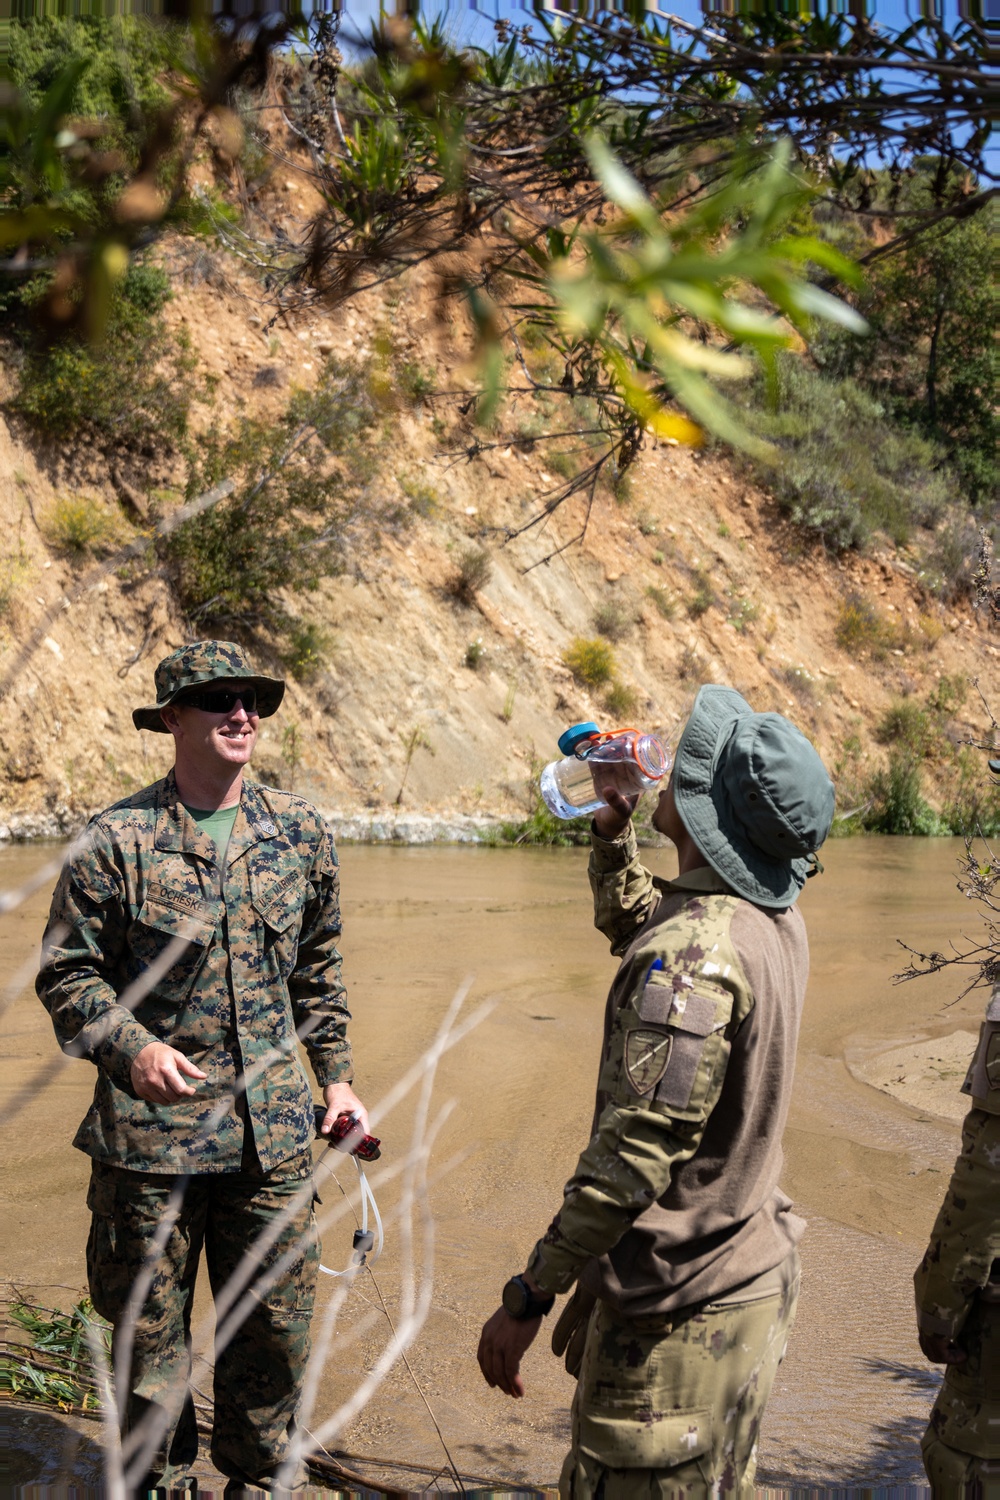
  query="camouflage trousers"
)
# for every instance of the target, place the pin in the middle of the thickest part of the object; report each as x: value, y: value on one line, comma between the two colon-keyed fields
x: 672, y: 1407
x: 260, y: 1367
x: 961, y: 1447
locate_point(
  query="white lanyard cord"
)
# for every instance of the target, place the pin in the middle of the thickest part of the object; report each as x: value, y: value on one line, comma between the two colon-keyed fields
x: 363, y: 1240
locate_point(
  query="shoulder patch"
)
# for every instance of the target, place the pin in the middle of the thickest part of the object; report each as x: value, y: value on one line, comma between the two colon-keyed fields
x: 647, y: 1053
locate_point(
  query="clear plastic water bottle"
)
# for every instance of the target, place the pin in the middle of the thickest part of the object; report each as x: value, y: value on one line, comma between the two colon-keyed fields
x: 634, y: 763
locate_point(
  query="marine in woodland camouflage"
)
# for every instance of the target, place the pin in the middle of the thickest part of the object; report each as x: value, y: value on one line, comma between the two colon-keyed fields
x: 259, y: 1373
x: 958, y: 1281
x: 664, y: 1064
x: 673, y: 1408
x: 154, y: 935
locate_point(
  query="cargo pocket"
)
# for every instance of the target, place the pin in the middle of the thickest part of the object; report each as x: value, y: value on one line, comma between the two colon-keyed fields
x: 621, y: 1418
x: 107, y: 1275
x: 622, y: 1437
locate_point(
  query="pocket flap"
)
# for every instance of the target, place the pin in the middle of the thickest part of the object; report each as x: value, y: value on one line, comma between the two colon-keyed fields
x: 192, y: 926
x: 637, y: 1438
x: 684, y: 1008
x: 101, y: 1193
x: 277, y: 897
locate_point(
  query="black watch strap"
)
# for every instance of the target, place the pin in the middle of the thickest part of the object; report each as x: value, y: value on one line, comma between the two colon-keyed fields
x: 521, y: 1302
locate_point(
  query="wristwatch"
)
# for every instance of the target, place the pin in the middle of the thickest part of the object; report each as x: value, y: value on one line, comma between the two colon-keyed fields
x: 520, y: 1302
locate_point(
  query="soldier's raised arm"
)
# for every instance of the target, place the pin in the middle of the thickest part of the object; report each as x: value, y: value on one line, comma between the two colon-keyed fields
x: 624, y: 895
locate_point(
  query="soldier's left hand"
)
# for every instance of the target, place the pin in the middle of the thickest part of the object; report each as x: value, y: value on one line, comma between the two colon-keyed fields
x: 340, y: 1099
x: 502, y: 1344
x: 941, y: 1350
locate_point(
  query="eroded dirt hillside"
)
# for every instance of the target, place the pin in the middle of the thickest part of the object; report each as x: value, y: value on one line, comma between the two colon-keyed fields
x: 702, y: 578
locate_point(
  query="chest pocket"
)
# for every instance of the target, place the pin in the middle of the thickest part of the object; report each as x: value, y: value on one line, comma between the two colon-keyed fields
x: 169, y: 945
x: 278, y: 898
x: 672, y: 1049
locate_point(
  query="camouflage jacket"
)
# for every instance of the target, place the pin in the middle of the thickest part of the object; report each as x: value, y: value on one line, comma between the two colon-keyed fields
x: 149, y: 940
x: 675, y: 1199
x: 965, y: 1240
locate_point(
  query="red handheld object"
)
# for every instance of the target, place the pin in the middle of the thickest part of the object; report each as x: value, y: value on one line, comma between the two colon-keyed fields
x: 348, y: 1128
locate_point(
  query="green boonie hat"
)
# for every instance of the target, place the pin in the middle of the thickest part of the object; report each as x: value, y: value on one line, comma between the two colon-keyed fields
x: 200, y: 663
x: 753, y: 794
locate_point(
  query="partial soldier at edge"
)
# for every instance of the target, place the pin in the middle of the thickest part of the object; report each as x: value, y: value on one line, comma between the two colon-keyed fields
x: 958, y: 1294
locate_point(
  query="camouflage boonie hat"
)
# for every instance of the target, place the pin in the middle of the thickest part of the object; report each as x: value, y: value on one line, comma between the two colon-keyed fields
x: 753, y: 794
x: 200, y: 663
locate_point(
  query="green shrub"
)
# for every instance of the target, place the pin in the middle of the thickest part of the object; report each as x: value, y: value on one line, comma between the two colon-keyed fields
x: 562, y: 463
x: 302, y: 498
x: 621, y: 701
x: 843, y: 469
x: 972, y: 807
x: 613, y: 620
x: 131, y: 389
x: 424, y: 500
x: 800, y: 682
x: 948, y: 569
x: 906, y: 724
x: 703, y: 597
x: 897, y: 804
x: 949, y: 693
x: 127, y: 60
x: 543, y: 827
x: 591, y: 661
x: 414, y: 382
x: 475, y: 569
x: 862, y: 629
x: 664, y: 601
x: 474, y: 653
x: 77, y: 524
x: 307, y: 648
x: 623, y: 490
x: 13, y: 572
x: 743, y: 614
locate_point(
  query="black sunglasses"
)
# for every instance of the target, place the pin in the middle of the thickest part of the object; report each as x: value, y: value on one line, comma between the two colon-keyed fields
x: 221, y: 700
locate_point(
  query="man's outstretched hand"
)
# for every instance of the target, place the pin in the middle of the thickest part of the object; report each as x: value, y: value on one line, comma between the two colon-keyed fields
x: 502, y: 1344
x: 611, y: 820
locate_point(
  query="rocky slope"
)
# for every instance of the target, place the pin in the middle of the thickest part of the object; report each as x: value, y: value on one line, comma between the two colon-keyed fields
x: 396, y: 706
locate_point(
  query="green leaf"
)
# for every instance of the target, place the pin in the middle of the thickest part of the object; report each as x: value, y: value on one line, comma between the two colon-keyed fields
x: 814, y: 302
x: 619, y: 184
x: 55, y: 103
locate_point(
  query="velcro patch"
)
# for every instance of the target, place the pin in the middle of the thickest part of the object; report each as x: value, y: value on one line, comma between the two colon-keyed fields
x: 647, y: 1053
x: 693, y: 1013
x: 656, y: 1000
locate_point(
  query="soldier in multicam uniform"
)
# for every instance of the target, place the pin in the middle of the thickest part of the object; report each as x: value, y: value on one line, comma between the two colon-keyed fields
x: 190, y: 939
x: 673, y: 1226
x: 958, y: 1294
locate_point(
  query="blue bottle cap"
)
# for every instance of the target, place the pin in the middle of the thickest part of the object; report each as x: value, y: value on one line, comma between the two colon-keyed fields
x: 571, y: 737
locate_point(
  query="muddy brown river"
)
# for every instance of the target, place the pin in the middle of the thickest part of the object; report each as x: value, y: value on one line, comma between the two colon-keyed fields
x: 866, y: 1170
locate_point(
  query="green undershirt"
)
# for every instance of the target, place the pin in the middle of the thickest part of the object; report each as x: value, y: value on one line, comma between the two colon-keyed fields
x: 217, y: 822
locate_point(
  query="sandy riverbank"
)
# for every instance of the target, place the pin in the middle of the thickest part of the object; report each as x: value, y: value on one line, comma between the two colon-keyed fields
x: 926, y: 1074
